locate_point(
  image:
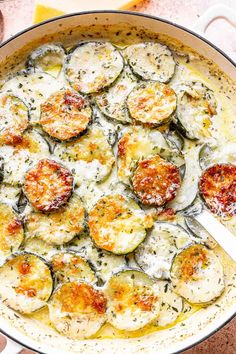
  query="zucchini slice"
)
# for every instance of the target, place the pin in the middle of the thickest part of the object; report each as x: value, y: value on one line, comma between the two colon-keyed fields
x: 11, y: 232
x: 104, y: 263
x: 197, y: 275
x: 18, y: 158
x: 152, y: 103
x: 77, y: 310
x: 171, y: 304
x: 133, y: 300
x: 48, y: 58
x: 10, y: 195
x: 175, y: 140
x: 117, y: 224
x: 59, y: 227
x: 39, y: 248
x: 156, y: 181
x: 89, y: 157
x: 48, y: 185
x: 33, y: 89
x: 200, y: 234
x: 112, y: 102
x: 135, y: 144
x: 217, y: 187
x: 25, y: 283
x: 156, y: 253
x: 65, y: 115
x: 151, y: 61
x: 109, y: 127
x: 189, y: 188
x: 14, y: 119
x: 195, y: 110
x: 93, y: 66
x: 211, y: 155
x: 69, y: 266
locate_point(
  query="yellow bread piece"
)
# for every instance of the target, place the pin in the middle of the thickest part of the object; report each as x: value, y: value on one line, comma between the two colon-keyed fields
x: 45, y: 9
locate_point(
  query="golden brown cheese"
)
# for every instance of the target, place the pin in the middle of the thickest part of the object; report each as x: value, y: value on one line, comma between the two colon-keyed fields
x: 11, y: 231
x: 70, y: 267
x: 118, y: 225
x: 156, y: 181
x: 14, y: 119
x: 59, y: 227
x: 65, y: 114
x: 77, y: 310
x: 218, y: 188
x: 152, y: 103
x: 48, y: 185
x: 25, y: 283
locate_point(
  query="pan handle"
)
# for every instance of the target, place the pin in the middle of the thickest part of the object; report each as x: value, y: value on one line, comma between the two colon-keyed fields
x: 11, y: 347
x: 214, y: 12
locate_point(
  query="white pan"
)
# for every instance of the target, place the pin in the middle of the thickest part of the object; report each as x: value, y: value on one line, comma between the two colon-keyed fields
x: 203, y: 323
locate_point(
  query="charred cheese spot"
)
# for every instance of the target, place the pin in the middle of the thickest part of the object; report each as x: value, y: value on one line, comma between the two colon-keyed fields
x: 65, y: 115
x: 218, y: 189
x: 90, y: 156
x: 133, y: 300
x: 11, y: 231
x: 48, y: 185
x: 14, y: 119
x: 70, y: 267
x: 118, y: 225
x: 197, y: 274
x: 135, y: 144
x: 25, y: 283
x: 59, y: 227
x: 93, y: 66
x: 152, y: 103
x: 77, y: 310
x: 156, y: 181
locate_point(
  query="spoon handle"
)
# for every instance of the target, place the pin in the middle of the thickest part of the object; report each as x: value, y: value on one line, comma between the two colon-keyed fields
x: 219, y: 232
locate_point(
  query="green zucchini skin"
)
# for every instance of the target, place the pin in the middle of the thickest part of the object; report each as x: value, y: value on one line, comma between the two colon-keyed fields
x: 18, y: 158
x: 151, y: 103
x: 47, y: 58
x: 70, y: 266
x: 105, y: 264
x: 117, y: 224
x: 199, y: 110
x: 188, y: 190
x: 93, y: 49
x: 151, y: 61
x: 197, y: 275
x: 57, y: 228
x: 156, y: 253
x: 77, y: 309
x: 19, y: 282
x: 132, y: 300
x: 112, y: 101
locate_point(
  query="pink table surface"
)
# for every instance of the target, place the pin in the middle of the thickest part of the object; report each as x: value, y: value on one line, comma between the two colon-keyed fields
x: 184, y: 12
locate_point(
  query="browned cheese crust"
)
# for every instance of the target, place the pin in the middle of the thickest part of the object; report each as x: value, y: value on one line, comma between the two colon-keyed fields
x: 156, y: 181
x: 48, y: 185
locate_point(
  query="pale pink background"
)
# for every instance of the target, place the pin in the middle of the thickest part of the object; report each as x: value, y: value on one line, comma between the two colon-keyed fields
x: 18, y: 15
